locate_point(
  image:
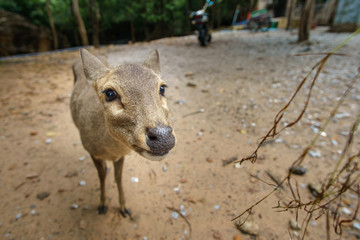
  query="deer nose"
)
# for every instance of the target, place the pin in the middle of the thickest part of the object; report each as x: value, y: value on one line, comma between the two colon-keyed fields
x: 160, y: 139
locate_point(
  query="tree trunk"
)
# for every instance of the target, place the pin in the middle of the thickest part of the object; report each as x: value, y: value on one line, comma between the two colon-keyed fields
x: 333, y: 13
x: 132, y: 28
x: 188, y: 21
x: 94, y: 17
x: 289, y: 12
x: 305, y: 21
x: 52, y: 25
x: 80, y: 23
x: 328, y: 9
x: 213, y: 14
x: 252, y: 5
x: 147, y: 32
x: 219, y: 15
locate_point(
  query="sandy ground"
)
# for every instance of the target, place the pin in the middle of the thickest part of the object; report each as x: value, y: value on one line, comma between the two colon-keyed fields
x: 223, y: 99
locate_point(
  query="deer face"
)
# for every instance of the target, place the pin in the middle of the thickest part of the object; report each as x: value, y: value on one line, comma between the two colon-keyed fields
x: 135, y: 106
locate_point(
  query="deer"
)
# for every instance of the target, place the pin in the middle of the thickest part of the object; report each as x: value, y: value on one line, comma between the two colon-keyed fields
x: 118, y: 110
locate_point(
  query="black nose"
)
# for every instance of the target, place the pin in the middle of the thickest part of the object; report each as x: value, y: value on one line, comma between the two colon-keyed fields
x: 160, y: 139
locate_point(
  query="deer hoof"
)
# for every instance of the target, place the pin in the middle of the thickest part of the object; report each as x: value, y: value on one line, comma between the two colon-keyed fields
x: 102, y: 209
x: 125, y: 212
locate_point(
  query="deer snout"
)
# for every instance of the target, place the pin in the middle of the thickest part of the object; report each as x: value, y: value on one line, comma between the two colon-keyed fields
x: 160, y: 140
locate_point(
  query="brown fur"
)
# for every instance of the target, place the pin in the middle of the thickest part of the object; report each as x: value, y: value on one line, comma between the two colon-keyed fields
x: 109, y: 130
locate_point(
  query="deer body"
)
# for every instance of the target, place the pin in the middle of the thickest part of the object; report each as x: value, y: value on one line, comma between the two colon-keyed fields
x: 119, y: 110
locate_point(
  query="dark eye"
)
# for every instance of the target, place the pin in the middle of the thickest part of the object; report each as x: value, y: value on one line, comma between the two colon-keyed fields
x: 162, y: 90
x: 110, y: 95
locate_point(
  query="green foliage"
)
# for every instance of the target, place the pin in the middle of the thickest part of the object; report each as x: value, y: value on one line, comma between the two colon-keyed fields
x: 116, y: 16
x: 32, y: 9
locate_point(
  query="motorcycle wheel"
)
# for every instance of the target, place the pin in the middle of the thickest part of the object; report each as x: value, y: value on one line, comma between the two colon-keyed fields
x: 209, y: 38
x: 202, y: 38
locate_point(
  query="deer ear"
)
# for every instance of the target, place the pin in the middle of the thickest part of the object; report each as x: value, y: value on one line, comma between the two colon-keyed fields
x: 93, y: 68
x: 153, y: 61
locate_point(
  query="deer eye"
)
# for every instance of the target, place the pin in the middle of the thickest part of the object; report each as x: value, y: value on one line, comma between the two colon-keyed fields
x: 162, y: 90
x: 110, y: 95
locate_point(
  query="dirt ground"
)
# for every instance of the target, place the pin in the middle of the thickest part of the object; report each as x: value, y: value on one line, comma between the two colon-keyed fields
x: 223, y: 98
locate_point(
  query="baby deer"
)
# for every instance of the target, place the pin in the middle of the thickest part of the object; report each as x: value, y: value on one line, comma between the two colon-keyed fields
x: 119, y: 110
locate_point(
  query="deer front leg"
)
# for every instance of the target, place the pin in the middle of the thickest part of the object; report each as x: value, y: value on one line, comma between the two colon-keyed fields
x: 118, y: 167
x: 101, y: 168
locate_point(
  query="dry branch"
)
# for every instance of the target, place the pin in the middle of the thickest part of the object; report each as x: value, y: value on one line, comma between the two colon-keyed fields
x: 345, y: 176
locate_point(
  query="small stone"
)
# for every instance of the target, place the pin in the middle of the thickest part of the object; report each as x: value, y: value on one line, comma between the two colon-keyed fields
x: 175, y: 215
x: 74, y: 206
x: 164, y: 168
x: 82, y: 158
x: 315, y: 189
x: 48, y: 141
x: 183, y: 211
x: 298, y: 170
x: 342, y: 115
x: 134, y: 180
x: 248, y: 227
x: 216, y: 235
x: 209, y: 160
x: 18, y: 216
x: 189, y: 74
x: 294, y: 225
x: 180, y: 102
x: 12, y: 167
x: 183, y: 180
x: 190, y: 84
x: 315, y: 153
x: 33, y: 212
x: 33, y: 133
x: 82, y: 183
x: 52, y: 134
x: 237, y: 165
x: 334, y: 142
x: 32, y: 176
x: 356, y: 225
x: 217, y: 207
x: 82, y: 224
x: 312, y: 223
x: 70, y: 174
x: 42, y: 195
x: 346, y: 211
x: 347, y: 202
x: 190, y: 200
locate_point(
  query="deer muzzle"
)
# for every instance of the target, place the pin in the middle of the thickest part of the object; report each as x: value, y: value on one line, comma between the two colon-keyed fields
x: 160, y: 140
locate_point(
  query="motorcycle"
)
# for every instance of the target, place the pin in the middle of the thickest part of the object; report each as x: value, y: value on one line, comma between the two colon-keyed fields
x: 200, y: 20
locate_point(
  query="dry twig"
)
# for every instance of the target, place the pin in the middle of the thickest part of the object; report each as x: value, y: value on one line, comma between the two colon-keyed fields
x: 345, y: 176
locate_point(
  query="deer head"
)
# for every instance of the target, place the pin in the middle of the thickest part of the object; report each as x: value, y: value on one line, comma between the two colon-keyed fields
x: 134, y: 104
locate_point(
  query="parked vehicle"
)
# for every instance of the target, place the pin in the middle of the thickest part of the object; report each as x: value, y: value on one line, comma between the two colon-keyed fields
x: 200, y: 20
x: 259, y: 21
